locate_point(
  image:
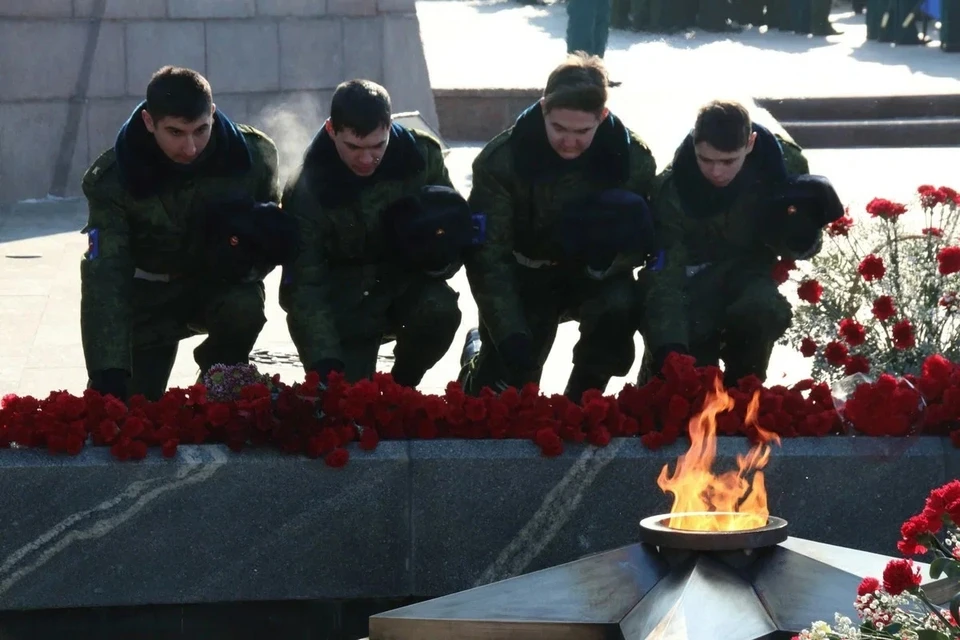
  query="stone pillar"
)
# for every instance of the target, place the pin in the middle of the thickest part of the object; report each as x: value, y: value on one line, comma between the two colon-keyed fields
x: 73, y: 70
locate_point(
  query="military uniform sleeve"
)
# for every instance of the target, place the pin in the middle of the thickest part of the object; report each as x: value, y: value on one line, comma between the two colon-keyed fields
x: 304, y: 285
x: 436, y: 171
x: 491, y: 266
x: 665, y: 308
x: 794, y: 159
x: 643, y: 170
x: 267, y: 163
x: 106, y: 276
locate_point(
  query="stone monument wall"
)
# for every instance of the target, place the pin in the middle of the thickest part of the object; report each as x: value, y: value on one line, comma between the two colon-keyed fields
x: 71, y: 71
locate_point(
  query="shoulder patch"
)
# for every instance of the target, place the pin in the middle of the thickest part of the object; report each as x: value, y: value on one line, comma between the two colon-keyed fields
x: 100, y: 168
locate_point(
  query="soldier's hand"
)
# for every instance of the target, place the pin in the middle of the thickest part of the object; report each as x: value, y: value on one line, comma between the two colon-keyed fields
x: 111, y: 382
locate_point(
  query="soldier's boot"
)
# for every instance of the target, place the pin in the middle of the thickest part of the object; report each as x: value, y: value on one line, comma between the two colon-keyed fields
x: 151, y: 370
x: 471, y: 346
x: 581, y: 381
x: 468, y: 357
x: 820, y: 24
x: 424, y: 339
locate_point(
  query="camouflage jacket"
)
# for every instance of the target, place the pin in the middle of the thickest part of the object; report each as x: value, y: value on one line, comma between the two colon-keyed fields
x: 145, y: 219
x: 521, y: 186
x: 727, y: 238
x: 343, y: 261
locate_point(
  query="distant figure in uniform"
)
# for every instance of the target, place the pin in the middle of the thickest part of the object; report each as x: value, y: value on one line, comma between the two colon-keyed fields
x: 562, y: 192
x: 735, y: 199
x: 182, y: 227
x: 382, y: 230
x: 588, y: 26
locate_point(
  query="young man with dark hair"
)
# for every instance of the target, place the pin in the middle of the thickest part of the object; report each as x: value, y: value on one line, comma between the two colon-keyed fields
x: 735, y: 199
x: 562, y: 192
x: 173, y: 190
x: 382, y: 229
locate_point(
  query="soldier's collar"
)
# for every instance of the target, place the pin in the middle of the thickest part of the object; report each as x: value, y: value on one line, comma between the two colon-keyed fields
x: 534, y: 159
x: 143, y: 168
x: 335, y: 184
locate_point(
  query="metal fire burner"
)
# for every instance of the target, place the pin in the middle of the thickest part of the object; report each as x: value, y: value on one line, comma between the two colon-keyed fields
x: 674, y: 585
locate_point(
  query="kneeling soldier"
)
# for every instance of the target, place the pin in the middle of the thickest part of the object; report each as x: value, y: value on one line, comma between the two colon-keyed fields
x: 183, y: 183
x: 735, y: 198
x: 566, y: 224
x: 382, y: 229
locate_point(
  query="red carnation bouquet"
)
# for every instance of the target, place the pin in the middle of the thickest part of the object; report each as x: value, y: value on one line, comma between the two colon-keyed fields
x: 882, y: 295
x: 895, y: 605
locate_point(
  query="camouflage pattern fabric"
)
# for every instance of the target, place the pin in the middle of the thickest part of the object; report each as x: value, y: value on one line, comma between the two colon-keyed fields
x: 605, y: 311
x: 343, y: 295
x: 716, y: 277
x: 520, y: 278
x: 141, y: 277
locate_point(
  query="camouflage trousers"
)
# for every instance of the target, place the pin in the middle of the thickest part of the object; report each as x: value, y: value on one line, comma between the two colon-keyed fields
x: 605, y: 310
x: 736, y: 315
x: 423, y: 318
x: 164, y: 313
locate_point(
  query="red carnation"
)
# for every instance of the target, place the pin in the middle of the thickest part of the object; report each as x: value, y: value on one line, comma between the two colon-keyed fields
x: 852, y: 332
x: 337, y: 458
x: 949, y: 260
x: 810, y: 291
x: 840, y: 227
x: 883, y: 308
x: 808, y: 348
x: 872, y: 268
x: 903, y: 335
x: 868, y: 586
x: 835, y: 353
x: 856, y: 364
x: 901, y: 575
x: 935, y: 232
x: 950, y: 194
x: 886, y: 209
x: 782, y: 269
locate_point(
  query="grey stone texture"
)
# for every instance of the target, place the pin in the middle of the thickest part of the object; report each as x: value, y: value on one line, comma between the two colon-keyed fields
x: 419, y: 518
x: 265, y: 59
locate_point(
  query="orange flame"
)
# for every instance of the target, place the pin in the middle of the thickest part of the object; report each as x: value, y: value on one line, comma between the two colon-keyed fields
x: 728, y: 502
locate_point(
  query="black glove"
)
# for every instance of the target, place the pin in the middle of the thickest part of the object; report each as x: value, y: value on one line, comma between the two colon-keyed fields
x: 112, y: 382
x: 661, y: 354
x: 325, y: 366
x: 430, y: 230
x: 246, y: 240
x: 598, y: 228
x: 516, y: 353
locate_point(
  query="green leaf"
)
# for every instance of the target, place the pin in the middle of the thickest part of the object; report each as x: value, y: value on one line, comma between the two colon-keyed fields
x: 893, y: 629
x: 930, y: 634
x: 944, y: 566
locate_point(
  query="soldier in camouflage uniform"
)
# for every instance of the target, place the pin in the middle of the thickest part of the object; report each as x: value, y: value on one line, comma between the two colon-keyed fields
x: 565, y: 153
x: 145, y: 281
x: 348, y: 291
x: 722, y: 223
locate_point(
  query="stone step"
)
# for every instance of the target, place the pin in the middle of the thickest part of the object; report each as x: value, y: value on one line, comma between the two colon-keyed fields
x: 863, y: 107
x: 892, y: 132
x: 873, y: 121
